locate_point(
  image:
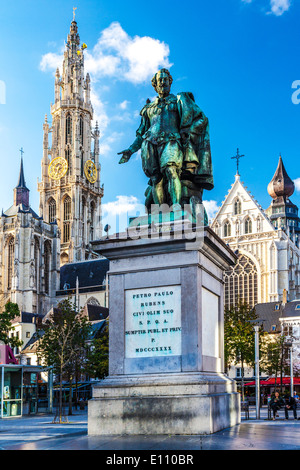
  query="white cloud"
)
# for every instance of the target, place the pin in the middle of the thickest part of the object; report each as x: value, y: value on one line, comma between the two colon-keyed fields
x: 123, y: 57
x: 116, y: 213
x: 105, y: 143
x: 211, y: 209
x: 122, y: 205
x: 297, y: 184
x: 51, y: 61
x: 124, y: 104
x: 278, y: 7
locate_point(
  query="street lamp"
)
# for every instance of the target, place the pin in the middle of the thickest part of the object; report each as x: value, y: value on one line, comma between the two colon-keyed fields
x: 290, y: 346
x: 257, y: 374
x: 257, y: 378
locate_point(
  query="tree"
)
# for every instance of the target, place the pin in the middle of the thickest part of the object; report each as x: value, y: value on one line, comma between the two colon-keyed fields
x: 97, y: 365
x: 239, y: 342
x: 275, y: 356
x: 10, y: 313
x: 65, y: 333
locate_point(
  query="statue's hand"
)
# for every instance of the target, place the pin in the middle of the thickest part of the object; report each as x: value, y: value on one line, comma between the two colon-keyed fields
x: 126, y: 156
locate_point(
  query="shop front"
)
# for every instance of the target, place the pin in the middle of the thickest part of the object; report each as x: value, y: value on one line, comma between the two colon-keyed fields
x: 23, y: 391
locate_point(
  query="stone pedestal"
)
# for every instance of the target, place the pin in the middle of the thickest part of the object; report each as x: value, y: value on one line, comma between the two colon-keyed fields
x: 165, y: 337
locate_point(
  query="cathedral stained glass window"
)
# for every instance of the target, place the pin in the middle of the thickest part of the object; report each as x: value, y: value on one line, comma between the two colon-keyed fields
x: 241, y: 283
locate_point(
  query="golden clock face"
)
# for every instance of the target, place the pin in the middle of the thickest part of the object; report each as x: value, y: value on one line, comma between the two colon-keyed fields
x: 90, y: 171
x: 58, y: 168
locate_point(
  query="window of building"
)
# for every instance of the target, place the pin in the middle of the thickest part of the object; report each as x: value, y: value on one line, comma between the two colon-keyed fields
x: 47, y: 262
x: 66, y: 219
x: 92, y: 221
x: 82, y: 163
x: 36, y: 260
x: 68, y: 129
x: 68, y: 156
x: 241, y: 283
x: 52, y: 210
x: 248, y: 225
x: 10, y: 261
x: 81, y: 130
x: 237, y: 207
x: 227, y: 229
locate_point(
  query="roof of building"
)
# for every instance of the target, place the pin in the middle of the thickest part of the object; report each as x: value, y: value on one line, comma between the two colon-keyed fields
x: 291, y: 309
x: 90, y: 273
x: 20, y: 208
x: 269, y: 313
x: 281, y: 184
x: 27, y: 317
x: 96, y: 312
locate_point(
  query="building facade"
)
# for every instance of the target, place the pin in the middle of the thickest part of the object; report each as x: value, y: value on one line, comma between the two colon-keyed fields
x: 70, y: 191
x: 29, y: 255
x: 266, y: 242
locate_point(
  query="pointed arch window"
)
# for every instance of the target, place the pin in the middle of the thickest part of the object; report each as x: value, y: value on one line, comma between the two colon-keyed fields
x: 83, y: 217
x: 241, y: 283
x: 248, y: 225
x: 68, y: 156
x: 92, y: 221
x: 227, y: 229
x: 237, y: 207
x: 81, y: 130
x: 36, y: 260
x: 68, y: 129
x: 52, y: 210
x: 47, y: 265
x: 10, y: 261
x: 82, y: 163
x: 67, y: 219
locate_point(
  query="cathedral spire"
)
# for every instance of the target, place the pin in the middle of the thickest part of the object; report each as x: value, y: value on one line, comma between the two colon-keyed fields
x: 21, y: 192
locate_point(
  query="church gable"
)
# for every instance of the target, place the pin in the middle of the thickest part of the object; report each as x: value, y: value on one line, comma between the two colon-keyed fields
x: 240, y: 214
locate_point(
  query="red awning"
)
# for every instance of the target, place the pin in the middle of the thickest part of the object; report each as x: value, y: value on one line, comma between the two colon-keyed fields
x: 271, y: 381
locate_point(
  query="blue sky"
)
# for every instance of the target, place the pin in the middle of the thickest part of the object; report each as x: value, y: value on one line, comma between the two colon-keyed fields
x: 239, y: 58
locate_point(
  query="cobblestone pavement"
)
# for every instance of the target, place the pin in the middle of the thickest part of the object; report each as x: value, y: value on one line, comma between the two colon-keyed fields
x: 39, y: 433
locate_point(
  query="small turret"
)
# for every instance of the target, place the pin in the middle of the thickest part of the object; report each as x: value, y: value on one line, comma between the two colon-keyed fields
x: 281, y: 185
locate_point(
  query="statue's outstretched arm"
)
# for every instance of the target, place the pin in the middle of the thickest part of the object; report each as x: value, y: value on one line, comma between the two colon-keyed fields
x: 126, y: 154
x: 136, y: 145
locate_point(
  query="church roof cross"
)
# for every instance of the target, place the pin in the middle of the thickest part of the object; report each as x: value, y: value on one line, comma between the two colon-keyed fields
x: 237, y: 158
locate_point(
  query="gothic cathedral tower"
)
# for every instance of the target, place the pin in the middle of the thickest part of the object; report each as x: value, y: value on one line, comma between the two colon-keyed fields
x: 70, y: 191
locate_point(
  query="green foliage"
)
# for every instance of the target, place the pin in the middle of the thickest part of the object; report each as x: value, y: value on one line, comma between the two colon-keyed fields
x: 97, y: 364
x: 275, y: 356
x: 10, y: 313
x: 65, y: 332
x: 239, y: 342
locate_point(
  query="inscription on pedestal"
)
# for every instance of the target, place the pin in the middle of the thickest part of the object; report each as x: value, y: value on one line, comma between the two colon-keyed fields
x: 153, y: 322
